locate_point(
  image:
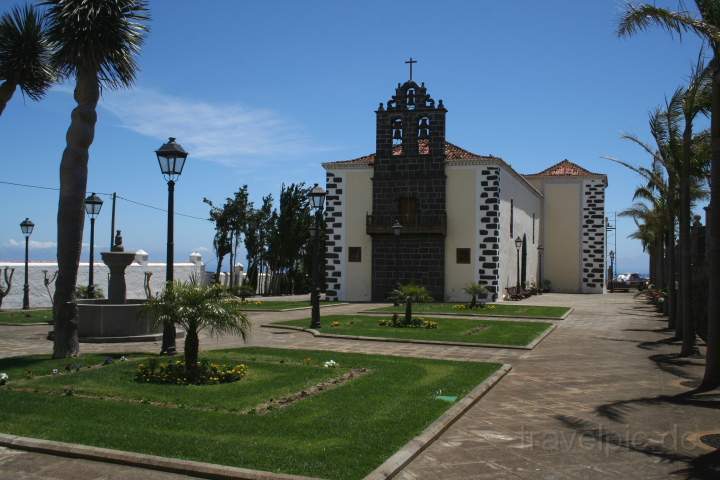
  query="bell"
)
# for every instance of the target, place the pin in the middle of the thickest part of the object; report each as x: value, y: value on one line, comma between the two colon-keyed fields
x: 411, y: 98
x: 424, y: 128
x: 397, y: 134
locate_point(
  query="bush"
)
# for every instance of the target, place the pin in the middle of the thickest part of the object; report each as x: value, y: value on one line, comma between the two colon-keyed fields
x: 244, y: 291
x: 205, y: 373
x: 83, y: 293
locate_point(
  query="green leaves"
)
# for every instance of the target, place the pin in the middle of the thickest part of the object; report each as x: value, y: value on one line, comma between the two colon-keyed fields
x: 197, y: 307
x: 99, y: 36
x: 25, y: 52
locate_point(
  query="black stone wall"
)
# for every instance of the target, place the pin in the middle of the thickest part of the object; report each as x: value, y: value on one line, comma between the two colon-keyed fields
x: 411, y: 258
x: 414, y: 169
x: 593, y: 237
x: 334, y: 250
x: 489, y: 230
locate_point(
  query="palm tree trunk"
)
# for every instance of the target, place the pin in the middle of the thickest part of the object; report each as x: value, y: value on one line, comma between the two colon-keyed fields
x: 71, y: 214
x: 6, y: 92
x: 192, y: 347
x: 712, y: 358
x: 660, y: 262
x: 651, y: 264
x: 670, y: 277
x: 685, y: 314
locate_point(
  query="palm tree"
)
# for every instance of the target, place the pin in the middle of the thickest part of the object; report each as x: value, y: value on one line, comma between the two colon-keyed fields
x: 408, y: 294
x: 24, y: 55
x: 475, y: 290
x: 695, y: 100
x: 660, y: 190
x: 196, y: 307
x: 707, y: 27
x: 95, y: 41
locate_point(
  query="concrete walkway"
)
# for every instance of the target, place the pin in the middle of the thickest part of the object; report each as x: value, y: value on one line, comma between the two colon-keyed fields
x: 596, y: 399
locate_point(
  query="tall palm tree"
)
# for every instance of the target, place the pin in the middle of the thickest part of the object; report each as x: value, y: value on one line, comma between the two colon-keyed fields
x: 707, y: 27
x: 24, y: 55
x: 661, y: 180
x: 695, y: 100
x: 95, y: 41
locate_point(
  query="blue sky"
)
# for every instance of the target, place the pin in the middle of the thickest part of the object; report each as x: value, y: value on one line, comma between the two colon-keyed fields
x: 261, y: 93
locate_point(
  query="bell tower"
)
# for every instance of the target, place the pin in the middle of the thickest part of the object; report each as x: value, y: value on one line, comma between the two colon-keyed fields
x: 409, y: 190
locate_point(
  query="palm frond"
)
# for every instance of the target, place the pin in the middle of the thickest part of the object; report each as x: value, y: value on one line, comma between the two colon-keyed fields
x: 25, y: 52
x: 103, y: 36
x: 641, y: 17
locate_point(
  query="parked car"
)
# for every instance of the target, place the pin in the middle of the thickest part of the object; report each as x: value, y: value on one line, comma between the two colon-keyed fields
x: 631, y: 280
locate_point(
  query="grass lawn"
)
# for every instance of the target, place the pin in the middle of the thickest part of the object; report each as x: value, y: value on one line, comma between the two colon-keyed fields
x: 490, y: 310
x: 26, y: 316
x: 278, y: 305
x: 449, y: 329
x: 344, y: 432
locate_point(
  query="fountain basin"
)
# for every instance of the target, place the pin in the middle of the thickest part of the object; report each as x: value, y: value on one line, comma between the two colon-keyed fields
x: 104, y: 322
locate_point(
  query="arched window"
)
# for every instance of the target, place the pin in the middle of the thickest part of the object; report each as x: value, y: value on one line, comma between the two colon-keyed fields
x: 410, y: 98
x: 397, y: 136
x: 424, y: 128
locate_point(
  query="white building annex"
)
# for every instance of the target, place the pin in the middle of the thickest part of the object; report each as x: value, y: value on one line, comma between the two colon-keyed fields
x: 461, y: 215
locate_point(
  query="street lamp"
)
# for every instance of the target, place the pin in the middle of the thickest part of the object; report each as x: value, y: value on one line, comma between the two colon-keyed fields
x: 540, y: 279
x: 26, y: 226
x: 397, y: 230
x: 93, y: 204
x: 317, y: 200
x: 611, y: 273
x: 171, y: 158
x: 518, y: 245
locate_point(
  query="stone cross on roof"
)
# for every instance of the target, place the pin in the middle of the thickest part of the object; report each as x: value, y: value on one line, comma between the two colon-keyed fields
x: 410, y: 62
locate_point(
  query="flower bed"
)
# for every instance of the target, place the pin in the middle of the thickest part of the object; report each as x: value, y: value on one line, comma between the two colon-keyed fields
x: 204, y: 373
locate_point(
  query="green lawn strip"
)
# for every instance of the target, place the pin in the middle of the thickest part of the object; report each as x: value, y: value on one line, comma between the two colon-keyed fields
x: 449, y: 329
x: 266, y: 378
x: 344, y: 432
x: 279, y: 305
x: 490, y: 310
x: 26, y: 316
x: 18, y: 368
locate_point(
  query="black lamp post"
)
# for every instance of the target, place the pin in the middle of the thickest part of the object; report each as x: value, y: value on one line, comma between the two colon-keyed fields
x: 611, y: 273
x: 26, y: 226
x: 317, y: 200
x: 518, y: 245
x: 397, y: 230
x: 171, y: 158
x: 93, y: 204
x: 540, y: 278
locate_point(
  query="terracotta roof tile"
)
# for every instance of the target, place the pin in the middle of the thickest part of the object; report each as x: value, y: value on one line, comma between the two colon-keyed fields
x: 452, y: 152
x: 564, y: 168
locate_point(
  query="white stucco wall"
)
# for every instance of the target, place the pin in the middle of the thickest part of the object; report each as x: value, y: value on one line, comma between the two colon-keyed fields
x: 357, y: 279
x: 134, y: 279
x: 462, y: 229
x: 561, y: 233
x: 526, y: 202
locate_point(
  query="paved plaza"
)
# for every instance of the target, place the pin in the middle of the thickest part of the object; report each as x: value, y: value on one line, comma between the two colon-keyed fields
x: 598, y: 398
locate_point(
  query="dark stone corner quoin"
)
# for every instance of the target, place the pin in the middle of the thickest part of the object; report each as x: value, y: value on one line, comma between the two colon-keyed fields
x: 409, y: 185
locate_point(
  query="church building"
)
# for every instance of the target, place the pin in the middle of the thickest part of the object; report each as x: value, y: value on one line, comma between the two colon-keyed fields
x: 423, y: 210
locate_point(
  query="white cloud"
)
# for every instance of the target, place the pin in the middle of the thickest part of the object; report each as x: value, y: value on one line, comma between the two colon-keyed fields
x: 225, y: 133
x: 33, y: 244
x: 202, y: 249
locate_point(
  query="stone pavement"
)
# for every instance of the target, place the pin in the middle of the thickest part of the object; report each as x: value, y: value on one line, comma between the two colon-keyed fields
x: 596, y: 399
